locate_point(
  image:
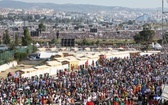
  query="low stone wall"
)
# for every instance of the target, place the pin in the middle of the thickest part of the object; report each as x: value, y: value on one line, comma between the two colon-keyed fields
x: 6, y: 66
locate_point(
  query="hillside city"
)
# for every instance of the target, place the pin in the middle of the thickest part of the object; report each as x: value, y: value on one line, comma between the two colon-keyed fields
x: 114, y: 25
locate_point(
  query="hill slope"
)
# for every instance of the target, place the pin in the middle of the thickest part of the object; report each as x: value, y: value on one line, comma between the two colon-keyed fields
x: 64, y: 7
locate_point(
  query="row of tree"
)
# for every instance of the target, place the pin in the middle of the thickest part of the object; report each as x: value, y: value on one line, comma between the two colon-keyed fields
x: 144, y: 37
x: 25, y: 39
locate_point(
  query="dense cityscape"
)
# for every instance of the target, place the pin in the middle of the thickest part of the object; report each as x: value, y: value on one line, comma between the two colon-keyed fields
x: 82, y: 55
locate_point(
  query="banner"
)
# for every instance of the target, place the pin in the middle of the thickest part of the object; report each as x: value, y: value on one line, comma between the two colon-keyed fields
x: 165, y: 92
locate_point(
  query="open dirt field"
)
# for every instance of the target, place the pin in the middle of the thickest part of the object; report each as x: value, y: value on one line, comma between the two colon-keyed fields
x: 21, y: 65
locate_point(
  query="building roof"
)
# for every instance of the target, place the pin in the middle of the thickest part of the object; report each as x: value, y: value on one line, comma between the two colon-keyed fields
x: 53, y: 63
x: 41, y: 67
x: 82, y: 58
x: 71, y: 58
x: 28, y: 69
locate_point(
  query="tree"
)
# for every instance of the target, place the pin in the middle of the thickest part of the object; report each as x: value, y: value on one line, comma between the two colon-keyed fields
x: 137, y: 38
x: 6, y: 37
x: 35, y: 49
x: 12, y: 45
x: 16, y: 40
x: 84, y: 42
x: 97, y: 42
x: 145, y: 36
x: 57, y: 34
x: 20, y: 55
x: 130, y: 22
x: 41, y: 27
x: 54, y: 41
x: 26, y: 39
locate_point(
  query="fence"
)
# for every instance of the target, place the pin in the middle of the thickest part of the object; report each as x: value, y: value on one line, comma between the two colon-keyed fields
x: 7, y: 56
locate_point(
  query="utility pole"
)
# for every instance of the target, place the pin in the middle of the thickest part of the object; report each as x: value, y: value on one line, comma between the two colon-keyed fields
x: 164, y: 42
x: 164, y: 28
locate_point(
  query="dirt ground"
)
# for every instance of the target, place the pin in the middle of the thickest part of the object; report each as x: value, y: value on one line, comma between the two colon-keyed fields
x: 21, y: 65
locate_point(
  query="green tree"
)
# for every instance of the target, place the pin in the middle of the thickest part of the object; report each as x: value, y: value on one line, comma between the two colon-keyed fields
x: 6, y: 37
x: 26, y: 39
x: 16, y: 40
x: 41, y: 27
x: 92, y: 43
x: 12, y: 45
x: 84, y: 42
x: 54, y: 41
x: 130, y: 22
x: 97, y: 42
x: 145, y: 36
x: 35, y: 49
x: 20, y: 55
x: 137, y: 38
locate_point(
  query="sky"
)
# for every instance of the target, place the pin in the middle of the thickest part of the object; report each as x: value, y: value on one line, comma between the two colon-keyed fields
x: 123, y: 3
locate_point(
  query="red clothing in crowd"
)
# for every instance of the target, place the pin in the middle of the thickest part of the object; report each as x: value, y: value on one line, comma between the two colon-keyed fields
x: 90, y: 103
x: 115, y: 103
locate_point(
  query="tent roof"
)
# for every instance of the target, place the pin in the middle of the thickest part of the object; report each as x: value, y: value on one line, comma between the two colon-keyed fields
x: 41, y: 67
x: 52, y: 63
x: 28, y: 69
x: 70, y: 58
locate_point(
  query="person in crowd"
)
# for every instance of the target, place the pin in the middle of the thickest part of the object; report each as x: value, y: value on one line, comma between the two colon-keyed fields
x: 129, y: 81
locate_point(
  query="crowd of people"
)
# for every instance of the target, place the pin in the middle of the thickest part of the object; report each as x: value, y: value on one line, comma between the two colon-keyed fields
x: 136, y: 80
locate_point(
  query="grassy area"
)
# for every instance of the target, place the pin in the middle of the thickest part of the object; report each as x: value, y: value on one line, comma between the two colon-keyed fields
x: 108, y: 41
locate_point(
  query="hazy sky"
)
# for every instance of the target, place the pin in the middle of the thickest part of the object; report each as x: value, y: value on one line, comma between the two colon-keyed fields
x: 124, y: 3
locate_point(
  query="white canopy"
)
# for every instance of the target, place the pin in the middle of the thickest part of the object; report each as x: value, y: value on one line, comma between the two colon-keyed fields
x: 158, y: 46
x: 165, y: 92
x: 37, y: 45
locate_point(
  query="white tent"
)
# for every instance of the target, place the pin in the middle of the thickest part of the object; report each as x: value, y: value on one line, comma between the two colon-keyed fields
x: 37, y: 45
x: 45, y: 55
x: 87, y: 49
x: 121, y: 49
x: 165, y: 92
x: 153, y: 45
x: 74, y: 49
x: 158, y: 46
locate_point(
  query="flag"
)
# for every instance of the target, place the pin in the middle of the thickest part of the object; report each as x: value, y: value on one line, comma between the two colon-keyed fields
x: 69, y: 66
x: 16, y: 75
x: 104, y: 57
x: 42, y: 100
x: 97, y: 63
x: 93, y: 63
x: 86, y: 64
x: 72, y: 67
